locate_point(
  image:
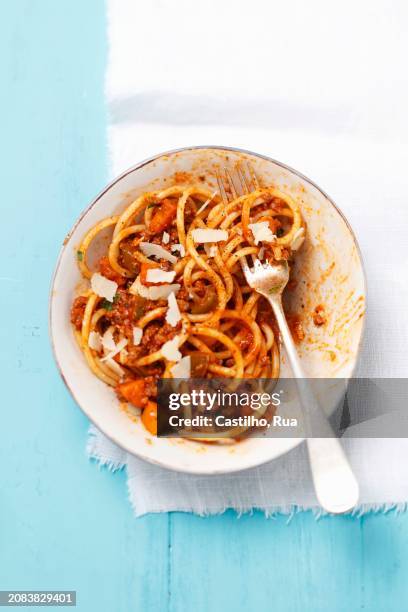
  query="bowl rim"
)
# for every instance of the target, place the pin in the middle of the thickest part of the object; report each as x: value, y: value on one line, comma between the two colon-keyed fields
x: 95, y: 200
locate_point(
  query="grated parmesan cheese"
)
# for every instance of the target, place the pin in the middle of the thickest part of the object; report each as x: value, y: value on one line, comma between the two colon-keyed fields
x: 178, y: 247
x: 155, y: 275
x: 137, y: 335
x: 262, y: 232
x: 165, y: 238
x: 118, y: 347
x: 206, y: 203
x: 182, y: 369
x: 108, y: 342
x: 209, y: 235
x: 95, y: 341
x: 173, y: 315
x: 298, y: 239
x: 153, y: 293
x: 170, y: 350
x: 103, y: 287
x: 211, y: 251
x: 155, y: 250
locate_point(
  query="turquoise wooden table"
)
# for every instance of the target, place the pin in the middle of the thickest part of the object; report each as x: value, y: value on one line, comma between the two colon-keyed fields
x: 65, y: 524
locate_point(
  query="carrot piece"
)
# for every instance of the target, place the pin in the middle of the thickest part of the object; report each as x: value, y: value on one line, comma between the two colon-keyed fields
x: 163, y: 217
x: 149, y: 417
x: 143, y: 272
x: 134, y: 391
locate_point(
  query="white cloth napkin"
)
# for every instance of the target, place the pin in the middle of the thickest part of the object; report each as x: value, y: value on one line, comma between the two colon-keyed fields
x: 322, y: 87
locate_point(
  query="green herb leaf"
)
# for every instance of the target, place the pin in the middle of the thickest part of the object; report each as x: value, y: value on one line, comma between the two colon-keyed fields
x: 107, y: 305
x: 80, y: 255
x: 279, y: 232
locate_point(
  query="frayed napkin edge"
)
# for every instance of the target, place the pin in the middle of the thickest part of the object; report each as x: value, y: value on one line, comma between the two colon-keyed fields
x: 273, y: 512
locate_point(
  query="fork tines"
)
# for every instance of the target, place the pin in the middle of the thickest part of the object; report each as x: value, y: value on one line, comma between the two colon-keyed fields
x: 242, y: 181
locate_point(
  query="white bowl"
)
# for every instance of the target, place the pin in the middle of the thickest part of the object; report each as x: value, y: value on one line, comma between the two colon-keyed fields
x: 331, y: 273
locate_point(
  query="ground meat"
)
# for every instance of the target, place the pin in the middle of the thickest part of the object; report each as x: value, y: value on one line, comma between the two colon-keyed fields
x: 271, y: 203
x: 174, y: 239
x: 108, y: 272
x: 151, y: 386
x: 183, y: 299
x: 77, y: 311
x: 189, y: 212
x: 134, y: 353
x: 154, y: 336
x: 126, y: 311
x: 158, y: 239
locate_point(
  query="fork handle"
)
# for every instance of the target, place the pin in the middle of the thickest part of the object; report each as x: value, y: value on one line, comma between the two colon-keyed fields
x: 335, y: 485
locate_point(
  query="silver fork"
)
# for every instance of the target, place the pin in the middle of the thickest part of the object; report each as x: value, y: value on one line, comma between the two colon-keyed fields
x: 335, y: 484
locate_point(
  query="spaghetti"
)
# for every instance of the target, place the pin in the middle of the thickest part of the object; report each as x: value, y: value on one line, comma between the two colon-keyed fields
x: 170, y: 299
